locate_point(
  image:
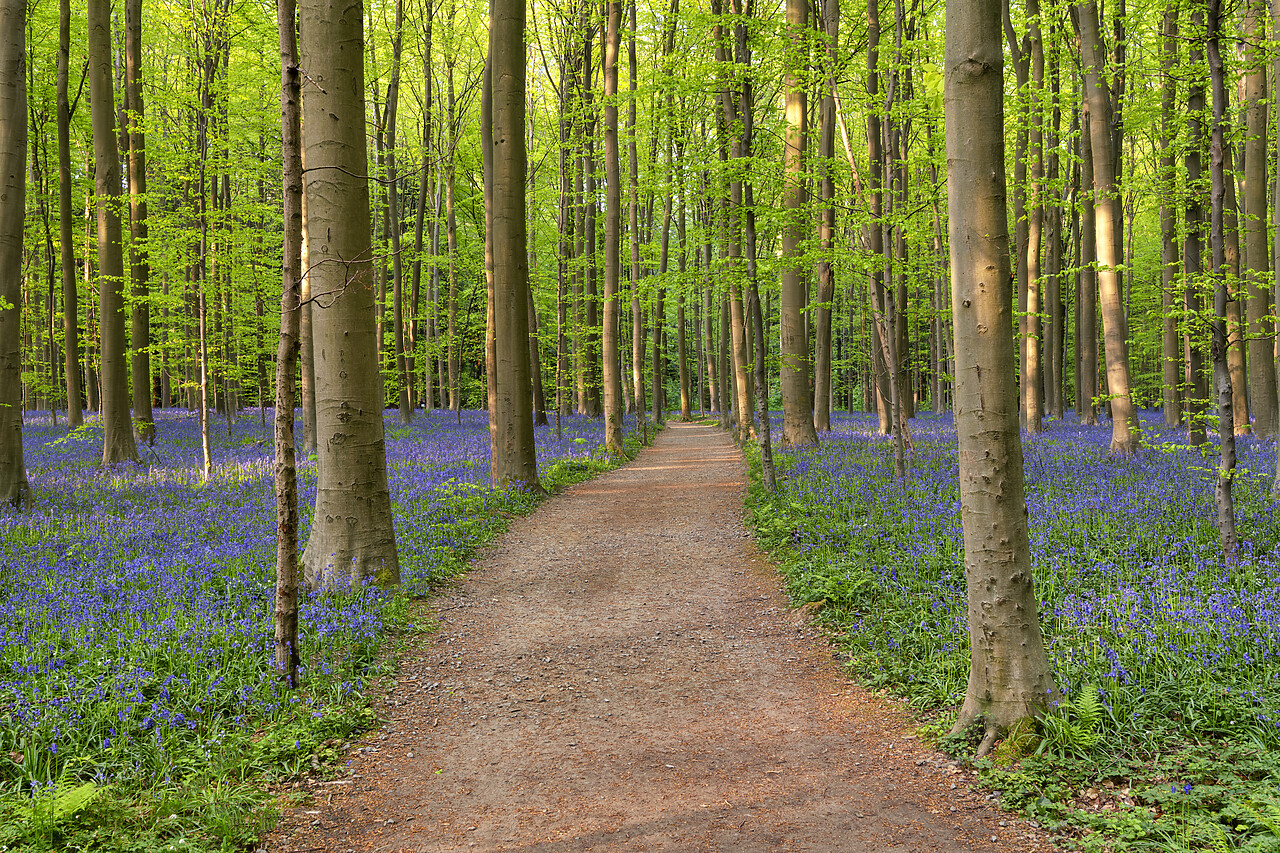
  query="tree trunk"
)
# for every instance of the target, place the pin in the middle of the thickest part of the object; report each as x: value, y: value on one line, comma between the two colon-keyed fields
x: 612, y: 380
x: 515, y: 463
x: 70, y: 296
x: 1168, y: 221
x: 633, y: 228
x: 351, y: 538
x: 1033, y: 367
x: 1261, y: 347
x: 398, y: 319
x: 1197, y: 391
x: 874, y: 232
x: 140, y: 266
x: 797, y: 414
x: 1087, y: 390
x: 454, y: 354
x: 285, y: 614
x: 822, y: 311
x: 1222, y: 379
x: 13, y: 185
x: 1009, y: 675
x: 1235, y: 322
x: 424, y: 184
x: 682, y: 344
x: 1125, y: 431
x: 117, y: 431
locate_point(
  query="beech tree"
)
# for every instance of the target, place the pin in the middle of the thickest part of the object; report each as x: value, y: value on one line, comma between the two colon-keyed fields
x: 1125, y: 432
x: 13, y: 184
x: 139, y: 267
x: 797, y: 412
x: 1009, y: 674
x: 351, y: 539
x: 286, y: 473
x: 117, y: 430
x: 514, y: 462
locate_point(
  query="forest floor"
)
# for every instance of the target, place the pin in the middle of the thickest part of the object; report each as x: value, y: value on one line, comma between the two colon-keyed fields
x: 620, y: 672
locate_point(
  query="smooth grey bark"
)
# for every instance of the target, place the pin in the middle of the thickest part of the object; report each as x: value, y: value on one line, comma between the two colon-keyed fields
x: 404, y: 403
x: 13, y: 187
x: 1168, y: 220
x: 1033, y: 366
x: 285, y: 612
x: 70, y: 296
x: 874, y: 233
x: 1126, y: 433
x: 1196, y: 386
x: 351, y: 539
x: 734, y: 367
x: 612, y: 380
x: 1009, y: 675
x: 797, y: 412
x: 117, y: 430
x: 140, y: 265
x: 1261, y: 346
x: 413, y: 332
x: 1087, y: 339
x: 1222, y: 379
x: 638, y: 338
x: 515, y: 463
x: 822, y: 311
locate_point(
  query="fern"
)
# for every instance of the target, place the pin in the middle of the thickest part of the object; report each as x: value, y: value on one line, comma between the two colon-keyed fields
x: 1088, y: 710
x: 50, y: 810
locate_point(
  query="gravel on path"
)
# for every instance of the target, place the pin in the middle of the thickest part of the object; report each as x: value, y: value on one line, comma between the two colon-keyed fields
x: 620, y: 672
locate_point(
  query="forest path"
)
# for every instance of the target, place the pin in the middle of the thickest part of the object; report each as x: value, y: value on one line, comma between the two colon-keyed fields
x: 619, y: 672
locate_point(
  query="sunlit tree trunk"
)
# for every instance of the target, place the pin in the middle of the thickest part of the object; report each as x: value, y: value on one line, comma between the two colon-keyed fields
x: 797, y: 414
x: 822, y: 311
x: 351, y: 539
x: 398, y: 320
x: 1222, y: 379
x: 514, y: 463
x: 117, y: 431
x: 13, y: 186
x: 633, y: 229
x: 1033, y: 366
x: 612, y: 381
x: 1197, y: 390
x: 70, y: 296
x: 1125, y: 431
x: 1009, y: 674
x: 139, y: 263
x: 1168, y: 221
x: 1261, y: 346
x: 1087, y: 389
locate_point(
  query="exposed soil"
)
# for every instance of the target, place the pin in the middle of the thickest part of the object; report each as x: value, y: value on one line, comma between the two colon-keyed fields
x: 621, y: 672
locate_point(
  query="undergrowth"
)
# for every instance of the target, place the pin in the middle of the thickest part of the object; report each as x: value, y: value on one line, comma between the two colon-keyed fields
x: 1168, y: 733
x: 138, y: 708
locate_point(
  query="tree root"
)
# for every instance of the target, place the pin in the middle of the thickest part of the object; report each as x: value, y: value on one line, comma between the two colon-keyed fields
x: 988, y: 741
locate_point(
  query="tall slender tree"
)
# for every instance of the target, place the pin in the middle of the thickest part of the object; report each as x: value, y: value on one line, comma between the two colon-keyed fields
x: 351, y: 539
x: 70, y: 294
x: 13, y: 187
x: 797, y: 413
x: 286, y: 474
x: 1222, y: 384
x: 1009, y: 674
x: 1125, y: 431
x: 117, y: 431
x: 1261, y: 348
x: 612, y: 386
x: 514, y: 462
x: 140, y: 266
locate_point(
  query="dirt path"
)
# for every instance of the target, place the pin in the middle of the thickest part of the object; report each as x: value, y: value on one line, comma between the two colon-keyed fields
x: 621, y: 673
